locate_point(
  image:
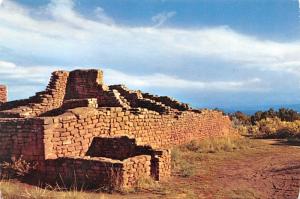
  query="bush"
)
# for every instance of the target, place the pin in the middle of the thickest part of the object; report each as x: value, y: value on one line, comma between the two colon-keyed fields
x: 288, y: 115
x: 276, y: 128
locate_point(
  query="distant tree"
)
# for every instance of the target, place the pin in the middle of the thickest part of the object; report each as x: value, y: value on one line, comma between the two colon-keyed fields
x: 283, y: 114
x: 256, y: 117
x: 241, y: 117
x: 288, y: 115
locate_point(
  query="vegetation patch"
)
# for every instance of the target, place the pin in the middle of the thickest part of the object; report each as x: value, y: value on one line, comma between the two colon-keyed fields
x: 185, y: 158
x: 242, y: 193
x: 16, y: 168
x: 276, y: 128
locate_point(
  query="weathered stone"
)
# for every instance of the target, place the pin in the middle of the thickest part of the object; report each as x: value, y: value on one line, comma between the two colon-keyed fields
x: 107, y: 135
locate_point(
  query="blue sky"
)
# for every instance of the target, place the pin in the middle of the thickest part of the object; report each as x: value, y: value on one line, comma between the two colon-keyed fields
x: 210, y: 53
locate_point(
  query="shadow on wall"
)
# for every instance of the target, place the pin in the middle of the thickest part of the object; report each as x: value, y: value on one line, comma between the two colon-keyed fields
x: 119, y: 148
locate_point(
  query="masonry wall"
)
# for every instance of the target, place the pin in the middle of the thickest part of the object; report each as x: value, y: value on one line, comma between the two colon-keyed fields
x: 22, y: 137
x: 119, y: 148
x: 42, y: 102
x: 3, y: 94
x: 161, y: 165
x: 73, y: 133
x: 85, y: 171
x: 135, y: 169
x: 105, y: 173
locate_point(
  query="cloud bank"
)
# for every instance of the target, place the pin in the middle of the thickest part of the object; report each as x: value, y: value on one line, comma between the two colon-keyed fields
x: 32, y: 39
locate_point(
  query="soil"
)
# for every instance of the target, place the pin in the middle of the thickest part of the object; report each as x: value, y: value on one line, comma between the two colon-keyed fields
x: 271, y: 171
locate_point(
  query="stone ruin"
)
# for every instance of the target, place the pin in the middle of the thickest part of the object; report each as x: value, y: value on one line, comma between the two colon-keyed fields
x: 105, y: 136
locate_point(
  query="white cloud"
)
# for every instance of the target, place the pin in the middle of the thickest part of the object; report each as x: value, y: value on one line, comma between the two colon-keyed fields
x: 165, y: 81
x: 62, y: 35
x: 161, y: 18
x: 41, y: 74
x: 37, y: 74
x: 68, y: 35
x: 102, y: 16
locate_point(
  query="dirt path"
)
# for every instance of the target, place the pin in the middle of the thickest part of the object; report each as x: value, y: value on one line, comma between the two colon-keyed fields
x: 269, y: 172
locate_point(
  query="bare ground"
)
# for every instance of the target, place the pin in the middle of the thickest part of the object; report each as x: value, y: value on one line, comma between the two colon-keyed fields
x: 270, y: 170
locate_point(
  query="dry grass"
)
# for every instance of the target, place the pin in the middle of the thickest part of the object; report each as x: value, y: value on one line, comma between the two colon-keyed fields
x: 186, y: 158
x: 15, y: 190
x: 214, y: 145
x: 242, y: 193
x: 17, y: 167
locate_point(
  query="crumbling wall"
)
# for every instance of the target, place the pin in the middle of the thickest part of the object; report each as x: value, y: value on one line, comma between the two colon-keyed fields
x: 136, y: 100
x: 3, y: 94
x: 167, y: 101
x: 51, y: 98
x: 84, y: 84
x: 89, y: 84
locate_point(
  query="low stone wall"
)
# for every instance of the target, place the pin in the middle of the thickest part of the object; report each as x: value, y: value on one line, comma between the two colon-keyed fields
x: 98, y: 172
x: 161, y: 165
x: 89, y: 172
x: 3, y: 94
x: 135, y: 169
x: 73, y: 132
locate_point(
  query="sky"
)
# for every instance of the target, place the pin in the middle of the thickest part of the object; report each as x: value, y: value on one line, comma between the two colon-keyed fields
x: 209, y: 53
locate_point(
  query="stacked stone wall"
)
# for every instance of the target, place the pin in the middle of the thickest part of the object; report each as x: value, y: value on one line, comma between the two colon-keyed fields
x: 136, y: 99
x: 161, y: 165
x: 135, y: 169
x: 22, y: 137
x: 90, y: 172
x: 119, y: 148
x: 42, y: 102
x: 89, y: 84
x: 73, y: 133
x: 167, y: 101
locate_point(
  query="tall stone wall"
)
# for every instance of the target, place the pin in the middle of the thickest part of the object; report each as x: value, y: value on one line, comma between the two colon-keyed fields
x: 22, y: 137
x: 3, y: 94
